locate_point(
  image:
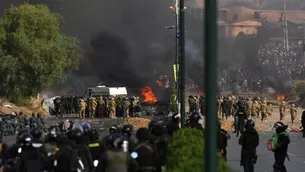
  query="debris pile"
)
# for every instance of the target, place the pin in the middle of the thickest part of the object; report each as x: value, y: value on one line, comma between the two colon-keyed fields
x: 227, y: 125
x: 7, y: 107
x: 136, y: 122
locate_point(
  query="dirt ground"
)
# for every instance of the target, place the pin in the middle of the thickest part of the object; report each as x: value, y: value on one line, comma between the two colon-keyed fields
x: 262, y: 126
x: 35, y: 106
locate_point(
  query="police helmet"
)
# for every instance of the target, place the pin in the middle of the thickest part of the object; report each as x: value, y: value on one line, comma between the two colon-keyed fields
x: 152, y: 124
x: 78, y: 126
x: 76, y: 134
x: 280, y: 127
x: 94, y: 134
x: 26, y: 139
x: 22, y: 131
x: 157, y: 130
x: 86, y: 128
x: 52, y: 134
x: 113, y: 129
x: 195, y: 117
x: 127, y: 130
x: 250, y: 123
x: 176, y: 117
x: 143, y: 134
x: 116, y: 141
x: 36, y: 133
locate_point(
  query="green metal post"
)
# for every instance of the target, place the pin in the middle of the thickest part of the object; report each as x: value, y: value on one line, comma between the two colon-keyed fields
x: 177, y: 59
x: 210, y: 44
x: 182, y: 61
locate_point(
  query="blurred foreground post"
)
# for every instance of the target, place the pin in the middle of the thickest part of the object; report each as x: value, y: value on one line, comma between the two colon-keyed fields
x: 181, y: 66
x: 210, y: 43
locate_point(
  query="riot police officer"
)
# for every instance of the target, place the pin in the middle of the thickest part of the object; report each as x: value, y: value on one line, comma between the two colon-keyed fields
x: 160, y: 141
x: 148, y: 157
x: 194, y: 121
x: 30, y: 158
x: 37, y: 141
x: 173, y: 126
x: 249, y: 141
x: 95, y: 145
x: 127, y: 131
x: 241, y: 113
x: 115, y: 159
x: 83, y: 152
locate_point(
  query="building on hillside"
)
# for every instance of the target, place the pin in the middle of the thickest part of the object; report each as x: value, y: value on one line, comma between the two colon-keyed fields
x: 246, y: 27
x: 274, y: 31
x: 275, y: 15
x: 234, y: 14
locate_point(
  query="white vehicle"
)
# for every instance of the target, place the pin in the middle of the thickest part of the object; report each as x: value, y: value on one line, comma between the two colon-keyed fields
x: 107, y: 91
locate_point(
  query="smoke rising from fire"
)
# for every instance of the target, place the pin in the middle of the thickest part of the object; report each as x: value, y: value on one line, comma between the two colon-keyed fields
x: 125, y: 41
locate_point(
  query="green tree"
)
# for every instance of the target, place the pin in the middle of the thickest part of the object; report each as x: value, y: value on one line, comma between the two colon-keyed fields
x: 34, y: 54
x: 186, y: 153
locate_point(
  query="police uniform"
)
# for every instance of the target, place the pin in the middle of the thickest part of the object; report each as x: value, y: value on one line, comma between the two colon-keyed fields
x: 82, y: 108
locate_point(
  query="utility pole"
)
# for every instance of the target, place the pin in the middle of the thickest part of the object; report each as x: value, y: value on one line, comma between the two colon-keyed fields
x: 285, y: 28
x: 181, y: 57
x: 210, y: 43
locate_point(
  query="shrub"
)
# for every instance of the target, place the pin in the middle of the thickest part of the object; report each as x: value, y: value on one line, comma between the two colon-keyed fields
x: 186, y: 153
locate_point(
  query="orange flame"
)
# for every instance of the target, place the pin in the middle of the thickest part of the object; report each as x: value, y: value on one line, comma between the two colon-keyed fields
x: 148, y: 95
x: 280, y: 96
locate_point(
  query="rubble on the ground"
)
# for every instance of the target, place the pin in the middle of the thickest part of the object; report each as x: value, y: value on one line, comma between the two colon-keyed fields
x: 137, y: 122
x: 7, y: 107
x: 227, y: 125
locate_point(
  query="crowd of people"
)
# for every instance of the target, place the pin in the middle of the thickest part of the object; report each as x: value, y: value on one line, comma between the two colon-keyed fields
x: 10, y: 124
x: 273, y: 63
x: 80, y: 147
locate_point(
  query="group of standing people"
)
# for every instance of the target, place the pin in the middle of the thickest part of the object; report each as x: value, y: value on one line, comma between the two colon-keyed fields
x: 99, y: 107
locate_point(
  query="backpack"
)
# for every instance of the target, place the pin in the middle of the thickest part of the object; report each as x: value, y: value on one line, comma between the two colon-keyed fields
x: 273, y: 141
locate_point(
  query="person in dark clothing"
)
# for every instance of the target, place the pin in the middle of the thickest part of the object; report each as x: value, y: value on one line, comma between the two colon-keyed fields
x: 303, y: 123
x: 148, y: 157
x: 115, y: 159
x: 241, y: 113
x: 30, y: 158
x: 65, y: 156
x: 3, y: 151
x: 160, y: 141
x: 249, y: 141
x: 280, y: 152
x: 83, y: 151
x: 223, y: 137
x: 95, y: 145
x: 194, y: 121
x: 127, y: 131
x: 173, y: 126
